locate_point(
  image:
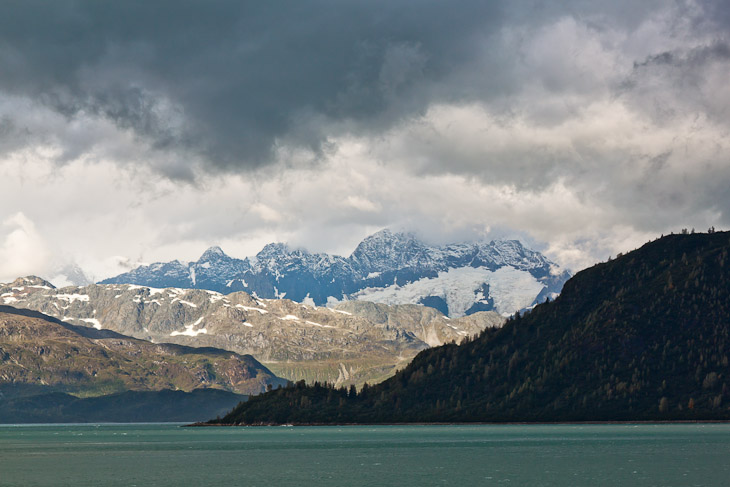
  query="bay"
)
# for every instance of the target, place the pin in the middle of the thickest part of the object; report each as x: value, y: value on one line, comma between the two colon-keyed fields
x: 463, y: 455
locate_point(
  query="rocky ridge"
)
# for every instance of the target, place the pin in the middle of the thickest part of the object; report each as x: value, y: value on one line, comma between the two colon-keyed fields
x: 387, y: 267
x: 351, y: 343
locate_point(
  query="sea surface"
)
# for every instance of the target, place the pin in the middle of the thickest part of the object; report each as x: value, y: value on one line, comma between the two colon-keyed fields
x: 507, y: 455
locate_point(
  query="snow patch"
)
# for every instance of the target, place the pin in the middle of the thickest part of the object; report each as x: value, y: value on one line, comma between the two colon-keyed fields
x: 189, y: 330
x: 187, y: 303
x: 317, y: 324
x: 230, y: 283
x: 511, y: 289
x: 290, y: 317
x: 93, y: 321
x: 72, y: 297
x: 249, y: 308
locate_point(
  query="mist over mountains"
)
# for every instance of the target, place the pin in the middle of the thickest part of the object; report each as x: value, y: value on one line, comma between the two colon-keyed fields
x: 386, y: 267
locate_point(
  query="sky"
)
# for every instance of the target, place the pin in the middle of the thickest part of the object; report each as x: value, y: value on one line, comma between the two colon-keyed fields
x: 135, y: 132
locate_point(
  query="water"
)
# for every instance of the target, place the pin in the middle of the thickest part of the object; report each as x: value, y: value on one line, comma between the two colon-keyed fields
x: 514, y: 455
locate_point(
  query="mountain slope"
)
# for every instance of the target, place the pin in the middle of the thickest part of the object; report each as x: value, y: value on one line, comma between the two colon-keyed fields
x: 643, y: 337
x: 387, y: 267
x: 37, y: 350
x: 40, y: 406
x: 350, y: 344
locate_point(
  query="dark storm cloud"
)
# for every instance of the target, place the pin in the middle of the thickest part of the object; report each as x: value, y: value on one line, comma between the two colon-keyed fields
x: 696, y: 58
x: 227, y: 79
x: 600, y: 96
x: 226, y: 82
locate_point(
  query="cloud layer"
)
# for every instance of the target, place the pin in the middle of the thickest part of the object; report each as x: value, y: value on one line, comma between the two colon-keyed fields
x: 146, y: 131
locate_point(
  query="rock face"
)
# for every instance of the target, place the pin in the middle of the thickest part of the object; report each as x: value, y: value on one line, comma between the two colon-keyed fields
x: 387, y: 267
x: 37, y: 350
x: 352, y: 343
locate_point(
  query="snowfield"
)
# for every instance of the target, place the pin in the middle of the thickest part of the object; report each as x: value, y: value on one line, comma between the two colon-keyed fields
x: 511, y: 289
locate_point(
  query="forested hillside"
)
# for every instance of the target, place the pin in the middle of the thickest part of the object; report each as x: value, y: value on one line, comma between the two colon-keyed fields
x: 641, y: 337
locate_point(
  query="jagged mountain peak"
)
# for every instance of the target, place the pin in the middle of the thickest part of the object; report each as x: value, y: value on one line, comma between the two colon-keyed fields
x: 274, y: 249
x: 213, y: 253
x: 513, y: 252
x: 388, y: 266
x: 389, y: 238
x: 387, y: 250
x: 507, y: 243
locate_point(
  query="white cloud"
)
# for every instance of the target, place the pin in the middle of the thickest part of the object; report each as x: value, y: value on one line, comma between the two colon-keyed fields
x: 22, y: 249
x: 361, y: 203
x: 266, y: 213
x: 584, y: 134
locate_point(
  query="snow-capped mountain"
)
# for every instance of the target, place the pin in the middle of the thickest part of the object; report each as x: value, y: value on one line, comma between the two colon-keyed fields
x: 387, y: 267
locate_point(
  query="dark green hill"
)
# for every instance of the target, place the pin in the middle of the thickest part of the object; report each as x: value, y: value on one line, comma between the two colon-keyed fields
x: 52, y: 371
x: 642, y: 337
x: 124, y: 407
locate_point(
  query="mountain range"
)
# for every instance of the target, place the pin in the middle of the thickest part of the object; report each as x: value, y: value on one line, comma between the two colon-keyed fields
x: 642, y: 337
x: 352, y: 343
x: 387, y: 267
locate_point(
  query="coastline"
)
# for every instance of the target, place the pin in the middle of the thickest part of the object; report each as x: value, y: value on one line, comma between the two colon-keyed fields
x: 477, y: 423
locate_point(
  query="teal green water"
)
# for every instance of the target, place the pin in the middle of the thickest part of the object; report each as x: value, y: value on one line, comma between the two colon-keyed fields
x: 514, y: 455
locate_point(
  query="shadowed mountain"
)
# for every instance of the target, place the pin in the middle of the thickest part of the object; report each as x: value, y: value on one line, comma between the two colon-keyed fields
x: 131, y: 406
